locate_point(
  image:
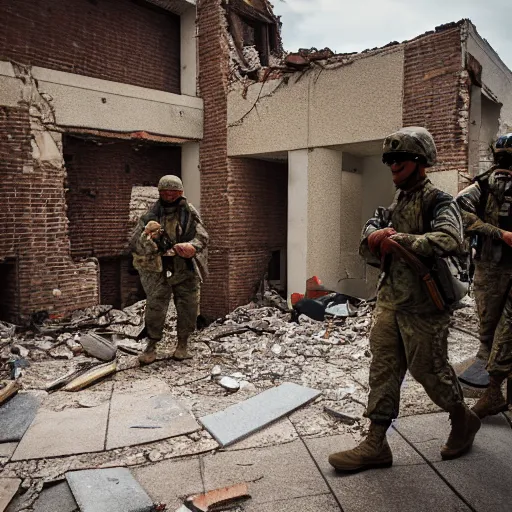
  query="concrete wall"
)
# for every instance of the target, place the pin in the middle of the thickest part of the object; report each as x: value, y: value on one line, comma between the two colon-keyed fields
x: 190, y: 173
x: 496, y: 77
x: 84, y: 102
x: 188, y: 48
x: 355, y: 102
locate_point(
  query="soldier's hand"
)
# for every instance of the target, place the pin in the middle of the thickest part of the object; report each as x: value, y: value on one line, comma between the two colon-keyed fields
x: 376, y: 238
x: 185, y: 250
x: 507, y: 238
x: 153, y: 230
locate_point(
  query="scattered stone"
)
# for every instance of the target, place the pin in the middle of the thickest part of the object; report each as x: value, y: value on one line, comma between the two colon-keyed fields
x: 20, y: 351
x: 61, y: 352
x: 154, y: 455
x: 277, y: 349
x: 216, y: 371
x: 229, y: 384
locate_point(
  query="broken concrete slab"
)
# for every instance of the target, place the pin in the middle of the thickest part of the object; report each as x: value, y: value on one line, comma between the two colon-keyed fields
x: 58, y: 497
x: 67, y: 432
x: 8, y: 488
x: 108, y: 490
x: 7, y: 449
x: 242, y: 419
x: 144, y: 412
x: 275, y: 473
x: 171, y: 481
x: 16, y: 416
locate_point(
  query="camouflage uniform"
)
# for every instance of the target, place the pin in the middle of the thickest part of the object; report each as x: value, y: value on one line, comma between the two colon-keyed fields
x: 408, y: 331
x: 493, y: 267
x: 165, y: 276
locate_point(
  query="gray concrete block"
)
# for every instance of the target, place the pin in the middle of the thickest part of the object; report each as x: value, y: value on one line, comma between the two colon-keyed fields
x: 321, y: 448
x: 108, y: 490
x: 67, y: 432
x: 17, y: 415
x: 58, y: 497
x: 276, y: 473
x: 242, y: 419
x: 8, y: 488
x: 144, y: 412
x: 323, y: 503
x: 171, y: 481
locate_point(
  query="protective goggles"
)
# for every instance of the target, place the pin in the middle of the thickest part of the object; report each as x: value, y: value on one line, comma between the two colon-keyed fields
x: 398, y: 158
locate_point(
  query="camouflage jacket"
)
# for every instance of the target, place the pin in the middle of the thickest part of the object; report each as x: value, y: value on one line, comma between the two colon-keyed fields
x: 481, y: 214
x: 147, y: 256
x: 429, y: 223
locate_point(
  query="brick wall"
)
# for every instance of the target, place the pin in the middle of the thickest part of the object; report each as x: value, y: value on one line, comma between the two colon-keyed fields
x: 436, y: 94
x: 34, y: 226
x: 9, y: 298
x: 123, y: 41
x: 259, y: 193
x: 100, y: 180
x: 213, y: 54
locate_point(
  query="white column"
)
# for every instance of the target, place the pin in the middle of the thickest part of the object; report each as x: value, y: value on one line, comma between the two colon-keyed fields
x: 324, y: 215
x: 188, y: 52
x: 190, y: 174
x: 297, y: 221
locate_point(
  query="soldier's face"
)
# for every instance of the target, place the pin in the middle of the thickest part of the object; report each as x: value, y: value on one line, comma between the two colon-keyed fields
x: 401, y: 171
x: 169, y: 196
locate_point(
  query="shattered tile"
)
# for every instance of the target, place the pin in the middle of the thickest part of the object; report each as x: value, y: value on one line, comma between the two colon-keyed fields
x: 57, y: 498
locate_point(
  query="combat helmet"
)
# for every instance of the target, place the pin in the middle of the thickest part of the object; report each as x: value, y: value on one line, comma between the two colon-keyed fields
x: 412, y: 140
x: 502, y: 151
x: 170, y: 182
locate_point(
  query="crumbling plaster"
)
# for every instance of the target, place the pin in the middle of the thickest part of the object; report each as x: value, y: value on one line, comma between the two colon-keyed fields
x: 337, y: 104
x: 496, y: 77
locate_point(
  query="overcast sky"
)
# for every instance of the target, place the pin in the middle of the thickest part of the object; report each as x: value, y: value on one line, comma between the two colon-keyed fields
x: 356, y: 25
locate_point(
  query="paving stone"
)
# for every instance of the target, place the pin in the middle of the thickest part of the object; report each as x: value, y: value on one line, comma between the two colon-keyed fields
x: 171, y: 482
x: 17, y: 415
x: 242, y: 419
x: 67, y: 432
x: 8, y: 488
x: 108, y: 490
x: 7, y: 449
x: 275, y: 473
x: 321, y: 448
x: 147, y: 404
x: 58, y: 497
x: 323, y: 503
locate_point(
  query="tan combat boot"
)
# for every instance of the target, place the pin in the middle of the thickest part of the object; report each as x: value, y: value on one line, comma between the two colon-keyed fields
x: 373, y: 452
x: 181, y: 352
x: 492, y: 401
x: 149, y: 354
x: 465, y: 425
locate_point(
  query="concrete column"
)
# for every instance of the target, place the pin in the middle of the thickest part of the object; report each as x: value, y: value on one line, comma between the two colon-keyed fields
x: 297, y: 221
x: 324, y: 215
x: 188, y: 52
x: 190, y: 173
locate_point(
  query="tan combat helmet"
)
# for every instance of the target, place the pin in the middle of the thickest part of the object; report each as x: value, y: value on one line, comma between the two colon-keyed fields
x: 503, y: 144
x: 413, y: 140
x: 170, y: 182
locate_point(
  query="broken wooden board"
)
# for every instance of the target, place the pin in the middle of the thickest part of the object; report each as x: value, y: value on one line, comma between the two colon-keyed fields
x: 245, y: 418
x: 91, y: 376
x: 218, y: 497
x: 8, y: 389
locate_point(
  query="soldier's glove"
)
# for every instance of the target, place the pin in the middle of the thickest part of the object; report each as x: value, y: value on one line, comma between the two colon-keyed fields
x: 185, y: 250
x: 507, y: 238
x: 153, y: 230
x: 376, y: 238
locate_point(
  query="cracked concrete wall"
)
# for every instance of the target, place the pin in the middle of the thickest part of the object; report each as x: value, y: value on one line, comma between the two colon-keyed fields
x: 321, y: 107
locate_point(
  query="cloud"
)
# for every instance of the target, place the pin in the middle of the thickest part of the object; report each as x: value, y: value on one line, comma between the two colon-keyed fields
x: 359, y: 25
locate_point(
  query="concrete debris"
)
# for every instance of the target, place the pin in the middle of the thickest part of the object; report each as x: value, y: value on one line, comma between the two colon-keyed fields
x: 218, y: 497
x: 349, y: 420
x: 7, y: 330
x: 229, y: 383
x: 16, y: 416
x: 8, y: 488
x: 216, y: 371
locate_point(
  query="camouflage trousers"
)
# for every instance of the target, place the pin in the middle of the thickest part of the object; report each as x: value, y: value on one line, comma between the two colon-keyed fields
x: 399, y: 342
x: 184, y: 288
x: 493, y: 295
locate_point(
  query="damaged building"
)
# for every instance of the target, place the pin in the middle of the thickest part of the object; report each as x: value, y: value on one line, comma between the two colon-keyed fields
x: 279, y: 152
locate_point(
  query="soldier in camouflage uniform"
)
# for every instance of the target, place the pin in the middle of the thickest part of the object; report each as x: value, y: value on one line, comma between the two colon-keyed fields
x: 409, y: 331
x: 487, y: 213
x: 170, y: 253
